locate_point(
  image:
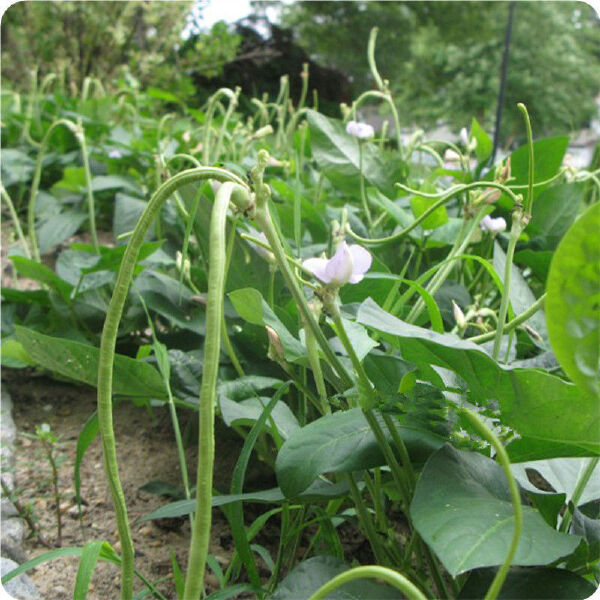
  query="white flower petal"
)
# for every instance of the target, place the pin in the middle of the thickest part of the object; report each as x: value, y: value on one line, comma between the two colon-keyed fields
x: 356, y: 278
x: 317, y: 266
x: 492, y: 225
x: 362, y: 131
x: 498, y: 225
x: 361, y: 258
x: 340, y: 266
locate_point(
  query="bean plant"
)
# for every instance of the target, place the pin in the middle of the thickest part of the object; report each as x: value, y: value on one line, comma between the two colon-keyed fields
x: 404, y: 333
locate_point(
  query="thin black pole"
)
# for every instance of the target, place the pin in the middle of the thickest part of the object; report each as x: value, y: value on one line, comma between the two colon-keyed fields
x: 503, y: 73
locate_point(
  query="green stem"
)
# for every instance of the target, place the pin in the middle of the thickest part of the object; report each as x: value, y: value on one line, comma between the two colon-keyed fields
x: 529, y: 203
x: 233, y: 101
x: 371, y: 58
x: 577, y: 492
x: 36, y: 181
x: 88, y: 184
x: 15, y: 220
x: 513, y: 324
x: 107, y: 351
x: 366, y: 521
x: 363, y: 194
x: 409, y: 589
x: 445, y: 197
x: 515, y: 232
x: 315, y: 365
x: 386, y: 97
x: 194, y: 582
x: 230, y: 349
x: 438, y: 279
x: 503, y: 459
x: 263, y: 219
x: 210, y: 111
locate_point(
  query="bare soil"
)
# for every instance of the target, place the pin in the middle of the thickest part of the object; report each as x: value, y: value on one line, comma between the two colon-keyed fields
x: 146, y: 452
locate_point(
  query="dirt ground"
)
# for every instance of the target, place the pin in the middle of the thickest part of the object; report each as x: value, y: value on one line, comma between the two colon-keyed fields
x: 150, y: 455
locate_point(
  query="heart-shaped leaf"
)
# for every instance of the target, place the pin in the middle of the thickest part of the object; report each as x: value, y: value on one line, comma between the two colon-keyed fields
x: 462, y: 508
x: 573, y: 303
x: 531, y: 401
x: 341, y: 443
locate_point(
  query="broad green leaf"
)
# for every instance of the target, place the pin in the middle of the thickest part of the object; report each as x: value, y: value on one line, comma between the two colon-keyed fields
x: 247, y: 412
x: 533, y: 402
x: 14, y: 355
x: 547, y: 159
x: 311, y: 574
x: 245, y: 387
x: 159, y: 94
x: 90, y: 554
x: 16, y: 166
x: 359, y: 338
x: 101, y: 183
x: 25, y: 296
x: 341, y: 443
x: 320, y: 491
x: 538, y: 583
x: 420, y: 204
x: 128, y: 211
x: 562, y: 474
x: 251, y: 306
x: 43, y: 274
x: 573, y: 302
x: 386, y: 372
x: 484, y: 147
x: 58, y: 228
x: 462, y: 509
x: 337, y: 154
x: 553, y: 212
x: 174, y: 301
x: 73, y: 179
x: 80, y: 362
x: 110, y: 258
x: 311, y: 217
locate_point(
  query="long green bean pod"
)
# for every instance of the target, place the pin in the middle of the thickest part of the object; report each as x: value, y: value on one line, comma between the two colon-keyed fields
x: 109, y: 338
x: 194, y: 581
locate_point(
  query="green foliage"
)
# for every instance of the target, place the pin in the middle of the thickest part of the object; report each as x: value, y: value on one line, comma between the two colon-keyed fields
x: 462, y: 508
x: 573, y: 313
x: 81, y: 39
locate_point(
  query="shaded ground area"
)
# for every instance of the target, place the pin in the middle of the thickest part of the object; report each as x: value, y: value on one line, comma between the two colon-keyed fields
x: 147, y: 452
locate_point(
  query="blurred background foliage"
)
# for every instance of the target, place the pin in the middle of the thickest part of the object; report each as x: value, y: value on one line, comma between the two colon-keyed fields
x: 442, y: 58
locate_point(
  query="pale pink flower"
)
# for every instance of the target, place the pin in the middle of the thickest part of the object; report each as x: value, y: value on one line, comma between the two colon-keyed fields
x: 348, y: 265
x: 492, y: 225
x: 362, y: 131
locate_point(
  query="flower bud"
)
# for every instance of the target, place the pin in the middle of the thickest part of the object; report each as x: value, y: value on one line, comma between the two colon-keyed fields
x: 262, y: 132
x: 275, y: 352
x: 459, y: 316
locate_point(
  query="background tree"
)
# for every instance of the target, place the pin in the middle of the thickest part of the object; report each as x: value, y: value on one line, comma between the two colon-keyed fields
x: 443, y: 58
x: 89, y: 38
